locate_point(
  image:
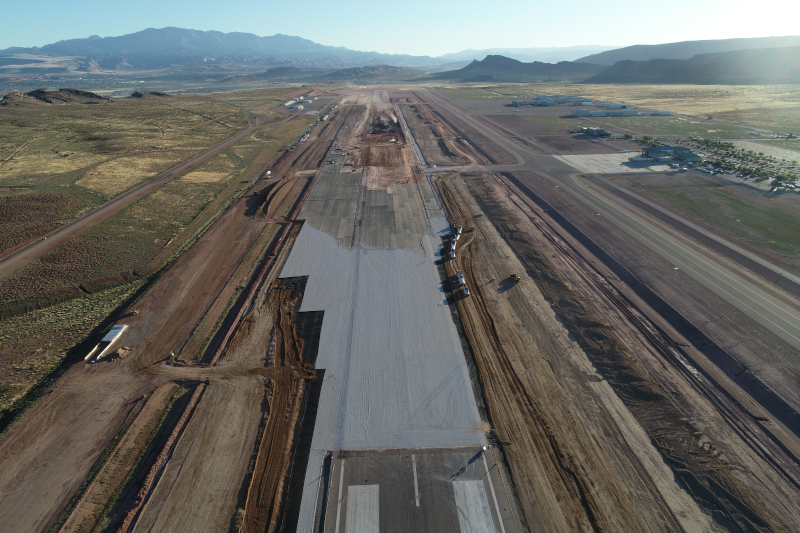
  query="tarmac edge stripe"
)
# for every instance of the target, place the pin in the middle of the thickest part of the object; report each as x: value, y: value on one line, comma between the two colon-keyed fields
x: 416, y: 486
x: 494, y: 496
x: 339, y: 503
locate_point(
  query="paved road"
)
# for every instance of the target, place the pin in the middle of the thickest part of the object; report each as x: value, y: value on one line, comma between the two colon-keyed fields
x: 759, y: 304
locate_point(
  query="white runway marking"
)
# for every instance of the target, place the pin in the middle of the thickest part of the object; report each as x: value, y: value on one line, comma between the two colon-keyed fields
x: 472, y: 506
x: 362, y: 509
x: 494, y: 496
x: 341, y: 487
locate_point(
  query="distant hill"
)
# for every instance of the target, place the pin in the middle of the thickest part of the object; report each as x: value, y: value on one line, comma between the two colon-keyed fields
x: 284, y: 73
x: 500, y: 68
x: 686, y: 49
x: 173, y: 47
x: 372, y: 73
x: 57, y: 96
x: 765, y: 66
x: 527, y: 55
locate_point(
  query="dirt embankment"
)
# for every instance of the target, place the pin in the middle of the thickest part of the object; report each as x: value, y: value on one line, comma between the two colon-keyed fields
x: 562, y: 483
x: 439, y: 145
x: 99, y: 497
x: 596, y: 485
x: 289, y: 375
x: 161, y: 460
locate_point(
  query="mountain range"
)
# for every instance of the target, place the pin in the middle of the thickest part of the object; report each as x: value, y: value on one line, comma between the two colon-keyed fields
x: 529, y: 55
x: 686, y: 49
x: 232, y: 58
x: 500, y: 68
x: 166, y: 47
x: 177, y: 47
x: 762, y: 66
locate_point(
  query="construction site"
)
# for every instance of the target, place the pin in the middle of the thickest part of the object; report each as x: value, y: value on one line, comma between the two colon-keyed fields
x: 451, y: 326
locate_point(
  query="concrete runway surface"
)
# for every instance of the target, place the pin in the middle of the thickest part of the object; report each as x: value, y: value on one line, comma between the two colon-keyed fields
x: 395, y: 373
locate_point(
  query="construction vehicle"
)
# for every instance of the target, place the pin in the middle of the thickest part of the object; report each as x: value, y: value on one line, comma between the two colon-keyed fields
x: 515, y: 278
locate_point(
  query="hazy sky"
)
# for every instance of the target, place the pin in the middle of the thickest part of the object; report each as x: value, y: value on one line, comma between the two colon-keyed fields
x: 419, y: 27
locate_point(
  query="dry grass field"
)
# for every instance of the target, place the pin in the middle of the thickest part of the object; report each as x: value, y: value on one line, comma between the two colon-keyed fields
x: 96, y: 151
x: 83, y: 155
x: 775, y: 107
x: 34, y: 343
x: 771, y: 224
x: 125, y: 246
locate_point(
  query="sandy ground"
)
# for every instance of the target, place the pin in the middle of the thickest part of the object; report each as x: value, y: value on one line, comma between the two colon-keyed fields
x: 119, y: 466
x: 211, y: 457
x: 474, y: 138
x: 432, y: 135
x: 46, y: 455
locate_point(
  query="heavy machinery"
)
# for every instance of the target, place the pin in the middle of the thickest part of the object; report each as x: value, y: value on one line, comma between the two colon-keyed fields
x: 515, y: 278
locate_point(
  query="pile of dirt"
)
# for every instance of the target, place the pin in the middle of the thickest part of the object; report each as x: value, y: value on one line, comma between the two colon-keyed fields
x: 385, y: 124
x: 390, y: 156
x: 61, y: 96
